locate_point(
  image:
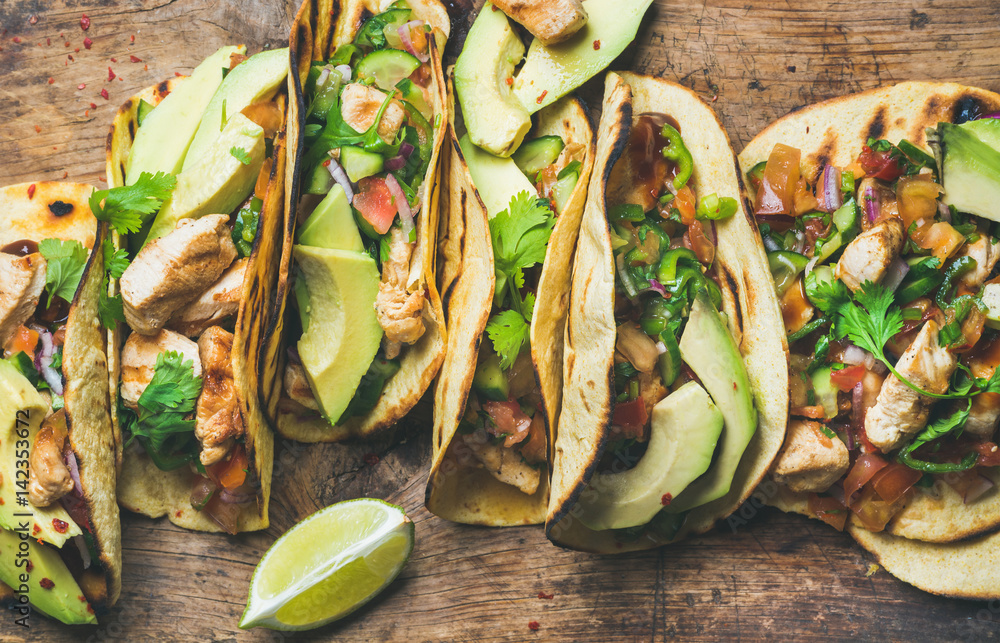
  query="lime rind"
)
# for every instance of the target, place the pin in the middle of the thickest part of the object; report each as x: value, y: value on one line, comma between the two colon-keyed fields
x: 374, y: 541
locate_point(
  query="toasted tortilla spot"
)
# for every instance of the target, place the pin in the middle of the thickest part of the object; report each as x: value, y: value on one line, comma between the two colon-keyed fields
x: 877, y: 125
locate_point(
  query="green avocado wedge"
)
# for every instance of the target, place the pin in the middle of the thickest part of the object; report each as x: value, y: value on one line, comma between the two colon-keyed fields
x: 552, y: 71
x: 60, y: 596
x: 343, y: 333
x: 162, y: 141
x: 710, y: 351
x: 685, y: 429
x: 219, y: 181
x: 970, y: 166
x: 331, y: 225
x: 254, y: 80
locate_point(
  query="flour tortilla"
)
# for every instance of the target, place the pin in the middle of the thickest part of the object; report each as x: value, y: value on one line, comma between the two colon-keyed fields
x: 748, y: 300
x: 834, y: 132
x: 142, y: 486
x: 85, y: 363
x: 462, y: 493
x: 320, y: 27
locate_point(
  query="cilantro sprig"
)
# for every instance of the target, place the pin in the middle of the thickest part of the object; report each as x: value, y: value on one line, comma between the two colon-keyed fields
x: 240, y: 155
x: 127, y: 207
x: 65, y: 262
x: 520, y: 236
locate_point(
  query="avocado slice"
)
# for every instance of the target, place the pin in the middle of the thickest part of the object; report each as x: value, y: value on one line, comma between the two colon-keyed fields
x: 991, y: 299
x: 552, y: 71
x: 709, y: 350
x: 490, y: 380
x: 219, y: 182
x: 22, y: 409
x: 331, y: 225
x: 685, y: 429
x: 497, y: 179
x: 343, y: 333
x: 166, y: 132
x: 62, y: 599
x: 494, y: 117
x: 970, y: 170
x: 254, y: 80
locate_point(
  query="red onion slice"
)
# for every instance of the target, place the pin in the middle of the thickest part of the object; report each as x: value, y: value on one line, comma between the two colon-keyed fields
x: 81, y: 544
x: 340, y: 176
x: 234, y: 497
x: 871, y: 203
x: 658, y: 287
x: 945, y: 212
x: 832, y: 197
x: 402, y: 205
x: 345, y: 72
x: 894, y: 274
x: 404, y: 36
x: 74, y: 470
x: 43, y: 360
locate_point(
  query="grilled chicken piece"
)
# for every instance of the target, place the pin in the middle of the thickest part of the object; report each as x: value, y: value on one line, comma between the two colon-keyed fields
x: 867, y: 257
x: 899, y: 411
x: 359, y: 105
x: 297, y: 386
x: 651, y: 390
x: 550, y: 21
x: 636, y: 347
x: 986, y: 252
x: 218, y: 421
x: 985, y: 411
x: 400, y: 313
x: 506, y: 465
x: 48, y: 478
x: 810, y: 461
x: 220, y: 301
x: 139, y: 360
x: 22, y: 280
x: 174, y: 270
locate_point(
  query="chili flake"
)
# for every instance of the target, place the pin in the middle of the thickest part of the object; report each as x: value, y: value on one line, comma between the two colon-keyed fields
x: 66, y: 44
x: 16, y: 40
x: 82, y: 599
x: 597, y: 45
x: 48, y: 42
x: 30, y: 566
x: 90, y: 608
x: 114, y: 60
x: 76, y: 49
x: 82, y: 86
x: 93, y: 106
x: 533, y: 626
x: 87, y: 42
x: 31, y: 194
x: 84, y: 22
x: 179, y: 513
x: 547, y: 597
x: 371, y: 459
x: 38, y: 130
x: 541, y: 97
x: 132, y: 38
x: 2, y: 502
x: 111, y: 75
x: 60, y: 525
x: 104, y: 94
x: 178, y: 74
x: 46, y: 583
x: 665, y: 499
x: 70, y: 56
x: 33, y: 20
x: 135, y: 59
x: 65, y: 174
x: 509, y: 81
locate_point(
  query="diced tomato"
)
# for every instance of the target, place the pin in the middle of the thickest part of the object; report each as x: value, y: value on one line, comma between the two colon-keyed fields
x: 25, y: 340
x: 894, y: 480
x: 916, y: 197
x: 547, y: 179
x: 814, y: 230
x: 685, y: 204
x: 804, y: 200
x: 533, y: 449
x: 874, y: 513
x: 778, y: 183
x: 880, y: 165
x: 631, y: 417
x: 796, y: 310
x: 59, y: 337
x: 701, y: 244
x: 263, y: 178
x: 375, y: 203
x: 815, y: 412
x: 226, y: 514
x: 940, y: 237
x: 847, y: 378
x: 865, y: 467
x: 231, y: 473
x: 508, y: 419
x: 829, y: 510
x: 267, y: 115
x: 989, y: 454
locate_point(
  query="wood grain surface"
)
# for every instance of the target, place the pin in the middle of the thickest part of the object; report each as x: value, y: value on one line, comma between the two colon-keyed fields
x: 775, y: 576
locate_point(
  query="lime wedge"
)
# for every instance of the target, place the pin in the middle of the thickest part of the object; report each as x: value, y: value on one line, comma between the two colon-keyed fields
x: 328, y: 565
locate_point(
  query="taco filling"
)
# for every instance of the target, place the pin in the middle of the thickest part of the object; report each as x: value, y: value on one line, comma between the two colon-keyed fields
x: 358, y: 279
x: 504, y: 428
x: 683, y: 409
x: 193, y: 230
x: 885, y: 273
x: 42, y: 504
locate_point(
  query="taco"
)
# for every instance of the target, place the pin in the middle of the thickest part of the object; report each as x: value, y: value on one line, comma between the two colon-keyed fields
x: 674, y: 396
x: 366, y: 334
x: 878, y: 210
x: 60, y: 536
x: 196, y: 175
x: 507, y: 249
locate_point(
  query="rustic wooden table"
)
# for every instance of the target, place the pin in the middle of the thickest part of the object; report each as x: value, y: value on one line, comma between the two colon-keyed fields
x: 776, y: 576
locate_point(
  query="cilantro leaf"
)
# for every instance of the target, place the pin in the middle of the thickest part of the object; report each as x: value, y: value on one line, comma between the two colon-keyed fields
x: 127, y: 207
x: 829, y: 296
x: 115, y: 261
x: 941, y: 427
x: 240, y: 155
x: 111, y: 310
x: 164, y: 404
x: 520, y: 234
x: 509, y: 331
x: 66, y: 261
x: 873, y: 330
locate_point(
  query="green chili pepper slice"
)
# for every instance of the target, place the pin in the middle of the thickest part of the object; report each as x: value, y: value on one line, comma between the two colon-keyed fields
x: 958, y: 268
x: 679, y: 154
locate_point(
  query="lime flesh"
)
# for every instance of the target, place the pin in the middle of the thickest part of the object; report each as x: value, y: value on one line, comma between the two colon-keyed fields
x: 328, y: 565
